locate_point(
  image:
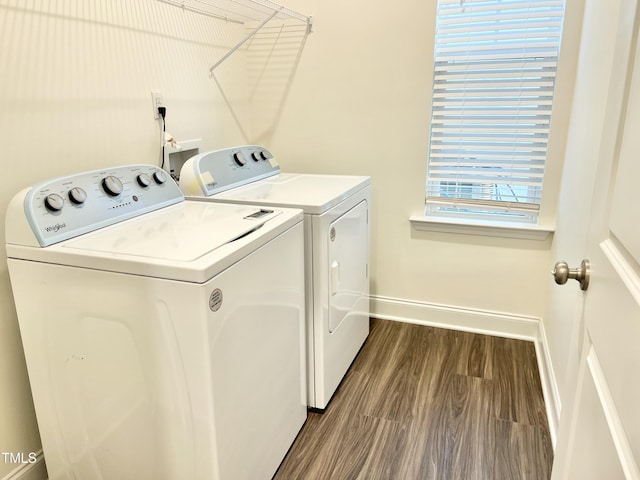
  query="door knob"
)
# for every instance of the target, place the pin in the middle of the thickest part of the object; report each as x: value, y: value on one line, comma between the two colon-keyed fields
x: 561, y: 273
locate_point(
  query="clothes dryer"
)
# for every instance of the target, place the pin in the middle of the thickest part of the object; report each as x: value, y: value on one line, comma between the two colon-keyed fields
x: 164, y: 339
x: 336, y: 223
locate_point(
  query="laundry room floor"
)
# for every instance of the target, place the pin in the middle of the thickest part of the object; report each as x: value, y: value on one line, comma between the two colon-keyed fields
x: 423, y: 403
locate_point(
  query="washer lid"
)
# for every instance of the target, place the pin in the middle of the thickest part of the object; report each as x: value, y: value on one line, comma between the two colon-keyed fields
x: 177, y: 234
x: 315, y: 194
x: 189, y: 241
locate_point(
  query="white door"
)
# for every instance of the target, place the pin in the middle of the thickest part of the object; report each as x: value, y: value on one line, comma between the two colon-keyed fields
x: 599, y: 434
x: 348, y: 264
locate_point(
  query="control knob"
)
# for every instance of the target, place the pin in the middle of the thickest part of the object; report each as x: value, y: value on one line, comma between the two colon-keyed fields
x: 144, y: 180
x: 256, y: 156
x: 112, y: 185
x: 54, y: 202
x: 77, y: 195
x: 159, y: 177
x: 238, y: 157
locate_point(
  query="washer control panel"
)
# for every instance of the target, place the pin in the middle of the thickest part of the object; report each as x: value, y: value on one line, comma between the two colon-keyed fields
x: 213, y: 172
x: 66, y: 207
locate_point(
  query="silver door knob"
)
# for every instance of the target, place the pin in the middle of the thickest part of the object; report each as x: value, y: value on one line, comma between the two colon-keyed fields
x: 561, y: 273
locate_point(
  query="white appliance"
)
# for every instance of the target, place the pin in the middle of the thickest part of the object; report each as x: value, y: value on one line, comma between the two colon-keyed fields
x: 336, y: 222
x: 164, y: 339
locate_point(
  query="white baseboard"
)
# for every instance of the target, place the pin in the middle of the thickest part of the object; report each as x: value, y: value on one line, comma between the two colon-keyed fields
x: 549, y: 383
x: 29, y: 471
x: 484, y: 322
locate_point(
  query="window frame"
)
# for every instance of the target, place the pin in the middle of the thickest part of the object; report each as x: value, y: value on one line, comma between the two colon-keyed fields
x: 524, y: 226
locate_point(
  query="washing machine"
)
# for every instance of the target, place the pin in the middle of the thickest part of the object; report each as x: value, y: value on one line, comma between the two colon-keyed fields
x: 336, y: 224
x: 164, y: 339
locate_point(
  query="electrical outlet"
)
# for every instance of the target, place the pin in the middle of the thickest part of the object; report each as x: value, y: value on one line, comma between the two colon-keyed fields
x: 156, y: 99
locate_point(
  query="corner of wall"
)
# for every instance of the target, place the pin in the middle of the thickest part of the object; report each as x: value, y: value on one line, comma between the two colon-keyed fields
x: 549, y: 382
x: 484, y: 322
x: 29, y: 471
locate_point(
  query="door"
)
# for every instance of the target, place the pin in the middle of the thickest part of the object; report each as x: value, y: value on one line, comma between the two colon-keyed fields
x: 348, y: 265
x: 599, y: 433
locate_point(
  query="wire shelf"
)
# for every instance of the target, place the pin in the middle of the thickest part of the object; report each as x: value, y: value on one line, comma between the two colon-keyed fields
x: 254, y: 14
x: 240, y: 11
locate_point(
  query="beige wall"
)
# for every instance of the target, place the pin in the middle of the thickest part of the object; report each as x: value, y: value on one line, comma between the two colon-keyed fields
x: 75, y: 95
x: 360, y: 104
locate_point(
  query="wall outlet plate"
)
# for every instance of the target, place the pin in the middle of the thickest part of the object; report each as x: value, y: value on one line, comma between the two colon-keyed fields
x: 156, y: 99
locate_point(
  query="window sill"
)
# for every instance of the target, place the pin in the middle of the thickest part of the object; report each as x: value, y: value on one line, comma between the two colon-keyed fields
x: 481, y: 227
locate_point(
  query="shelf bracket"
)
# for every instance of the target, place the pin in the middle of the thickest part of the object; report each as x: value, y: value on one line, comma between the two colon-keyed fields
x: 243, y: 41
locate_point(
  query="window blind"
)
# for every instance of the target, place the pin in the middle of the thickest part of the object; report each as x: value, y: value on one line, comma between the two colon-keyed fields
x: 494, y: 75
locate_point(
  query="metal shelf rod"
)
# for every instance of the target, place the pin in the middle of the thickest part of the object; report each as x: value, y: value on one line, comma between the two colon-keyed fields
x: 258, y: 9
x: 239, y: 44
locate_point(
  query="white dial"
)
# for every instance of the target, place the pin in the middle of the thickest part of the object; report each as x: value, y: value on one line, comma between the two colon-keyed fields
x: 54, y: 202
x: 144, y: 180
x: 77, y: 195
x: 265, y: 154
x: 238, y: 157
x: 159, y: 177
x: 112, y: 185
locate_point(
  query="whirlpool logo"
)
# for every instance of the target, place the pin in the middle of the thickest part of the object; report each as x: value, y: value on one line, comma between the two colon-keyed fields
x: 55, y: 228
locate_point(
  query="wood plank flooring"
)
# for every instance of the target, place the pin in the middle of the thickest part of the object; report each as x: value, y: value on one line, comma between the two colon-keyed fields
x: 422, y: 403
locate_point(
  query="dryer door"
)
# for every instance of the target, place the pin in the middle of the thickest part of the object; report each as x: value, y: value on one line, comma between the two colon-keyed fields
x: 348, y: 264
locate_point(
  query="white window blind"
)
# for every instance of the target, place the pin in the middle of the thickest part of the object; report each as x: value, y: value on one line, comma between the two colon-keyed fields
x: 494, y: 76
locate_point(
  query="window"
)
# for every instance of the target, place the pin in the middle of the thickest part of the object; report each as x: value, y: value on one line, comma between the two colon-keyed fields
x: 494, y: 75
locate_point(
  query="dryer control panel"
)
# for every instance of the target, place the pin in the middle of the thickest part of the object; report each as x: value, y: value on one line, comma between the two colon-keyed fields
x: 214, y: 172
x: 65, y: 207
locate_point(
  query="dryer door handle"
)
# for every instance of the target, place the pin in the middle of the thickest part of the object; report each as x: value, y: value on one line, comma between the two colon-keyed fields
x: 335, y: 277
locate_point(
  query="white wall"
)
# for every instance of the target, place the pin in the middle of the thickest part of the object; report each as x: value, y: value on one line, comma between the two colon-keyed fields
x: 75, y: 95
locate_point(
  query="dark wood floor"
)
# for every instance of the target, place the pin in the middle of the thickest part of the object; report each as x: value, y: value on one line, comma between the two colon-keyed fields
x: 422, y: 403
